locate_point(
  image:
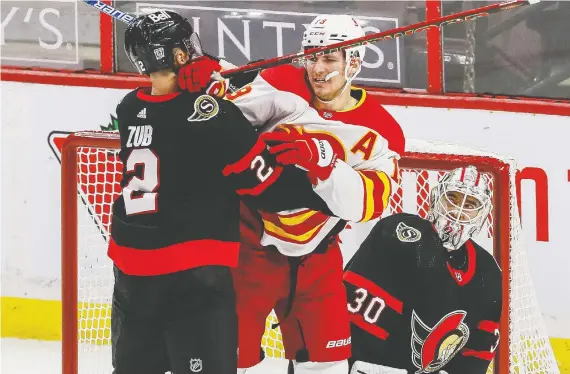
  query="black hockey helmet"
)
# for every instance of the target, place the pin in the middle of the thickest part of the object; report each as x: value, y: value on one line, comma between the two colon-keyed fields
x: 150, y: 38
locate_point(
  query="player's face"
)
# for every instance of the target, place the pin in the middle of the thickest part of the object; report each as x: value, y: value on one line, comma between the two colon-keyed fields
x: 318, y: 68
x: 180, y: 57
x: 463, y: 207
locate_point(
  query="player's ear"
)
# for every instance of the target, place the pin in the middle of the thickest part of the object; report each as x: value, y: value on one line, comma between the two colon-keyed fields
x: 181, y: 58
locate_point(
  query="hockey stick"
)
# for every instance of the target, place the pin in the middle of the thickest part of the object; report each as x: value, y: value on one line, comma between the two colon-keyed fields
x: 415, y: 28
x: 113, y: 12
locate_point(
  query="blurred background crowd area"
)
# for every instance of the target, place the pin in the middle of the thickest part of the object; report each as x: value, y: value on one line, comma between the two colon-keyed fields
x: 521, y: 52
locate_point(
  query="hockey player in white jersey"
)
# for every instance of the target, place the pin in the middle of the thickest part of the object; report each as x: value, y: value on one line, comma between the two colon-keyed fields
x: 350, y: 146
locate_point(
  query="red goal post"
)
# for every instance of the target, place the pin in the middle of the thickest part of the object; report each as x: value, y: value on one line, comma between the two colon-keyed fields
x: 91, y: 172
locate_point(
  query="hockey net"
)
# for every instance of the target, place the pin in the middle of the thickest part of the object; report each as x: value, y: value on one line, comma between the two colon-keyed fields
x: 91, y: 172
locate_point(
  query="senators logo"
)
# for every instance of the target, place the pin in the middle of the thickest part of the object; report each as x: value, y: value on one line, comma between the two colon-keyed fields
x: 433, y: 347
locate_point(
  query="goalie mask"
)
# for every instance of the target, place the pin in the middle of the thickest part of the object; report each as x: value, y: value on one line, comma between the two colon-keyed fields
x: 332, y: 29
x: 459, y: 206
x: 151, y: 38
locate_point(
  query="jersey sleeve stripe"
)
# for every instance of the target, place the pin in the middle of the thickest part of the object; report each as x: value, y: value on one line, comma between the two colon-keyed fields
x: 244, y: 162
x: 377, y: 189
x: 360, y: 281
x: 258, y: 189
x: 375, y: 330
x: 483, y: 355
x: 488, y: 326
x: 368, y: 199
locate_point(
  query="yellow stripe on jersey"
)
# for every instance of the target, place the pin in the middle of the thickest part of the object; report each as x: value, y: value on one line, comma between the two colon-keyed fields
x: 387, y: 188
x: 377, y: 190
x: 295, y: 220
x: 270, y: 227
x: 369, y: 198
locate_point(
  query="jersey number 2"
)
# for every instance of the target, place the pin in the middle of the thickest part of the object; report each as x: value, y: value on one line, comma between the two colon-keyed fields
x: 139, y: 194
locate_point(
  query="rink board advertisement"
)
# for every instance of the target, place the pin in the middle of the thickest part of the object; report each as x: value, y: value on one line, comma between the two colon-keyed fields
x: 231, y: 31
x: 33, y: 130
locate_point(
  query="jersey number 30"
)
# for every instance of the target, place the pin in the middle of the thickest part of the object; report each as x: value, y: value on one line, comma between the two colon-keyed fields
x: 373, y: 309
x: 139, y: 194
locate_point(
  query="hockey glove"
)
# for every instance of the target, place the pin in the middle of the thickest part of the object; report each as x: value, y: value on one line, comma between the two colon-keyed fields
x: 197, y: 76
x: 294, y: 147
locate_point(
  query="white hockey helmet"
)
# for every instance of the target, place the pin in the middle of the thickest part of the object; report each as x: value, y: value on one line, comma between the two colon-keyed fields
x: 459, y: 205
x: 330, y: 29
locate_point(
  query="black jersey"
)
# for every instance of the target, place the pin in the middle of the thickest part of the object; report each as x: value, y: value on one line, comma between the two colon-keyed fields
x: 417, y: 307
x: 188, y: 160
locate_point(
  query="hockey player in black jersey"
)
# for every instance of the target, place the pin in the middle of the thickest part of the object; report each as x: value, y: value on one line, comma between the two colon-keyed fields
x: 423, y: 296
x: 188, y: 160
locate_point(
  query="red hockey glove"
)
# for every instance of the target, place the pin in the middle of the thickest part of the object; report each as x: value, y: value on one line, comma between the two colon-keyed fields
x: 296, y: 148
x: 197, y: 76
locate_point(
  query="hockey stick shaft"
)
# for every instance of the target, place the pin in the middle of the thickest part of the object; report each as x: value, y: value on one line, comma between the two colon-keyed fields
x: 111, y: 11
x: 415, y: 28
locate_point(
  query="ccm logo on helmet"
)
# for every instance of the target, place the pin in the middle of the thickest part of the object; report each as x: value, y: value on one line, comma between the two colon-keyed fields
x: 338, y: 343
x: 159, y: 16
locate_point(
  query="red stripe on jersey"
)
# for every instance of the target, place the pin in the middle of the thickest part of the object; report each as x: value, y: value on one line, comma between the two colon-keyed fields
x: 488, y: 326
x: 258, y: 189
x: 360, y: 281
x: 176, y: 257
x: 245, y: 162
x: 377, y: 331
x: 483, y: 355
x: 145, y: 95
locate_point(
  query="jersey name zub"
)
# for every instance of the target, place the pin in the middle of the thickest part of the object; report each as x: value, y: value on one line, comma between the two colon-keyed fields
x: 417, y: 307
x: 188, y: 159
x: 367, y: 139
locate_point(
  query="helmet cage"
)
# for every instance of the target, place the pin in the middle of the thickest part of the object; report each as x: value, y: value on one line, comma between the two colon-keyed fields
x: 454, y: 221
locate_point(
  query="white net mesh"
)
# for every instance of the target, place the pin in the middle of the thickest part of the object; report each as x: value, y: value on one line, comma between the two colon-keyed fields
x: 98, y: 185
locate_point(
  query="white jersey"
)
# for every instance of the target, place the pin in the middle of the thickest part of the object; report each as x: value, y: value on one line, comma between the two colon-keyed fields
x: 366, y: 138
